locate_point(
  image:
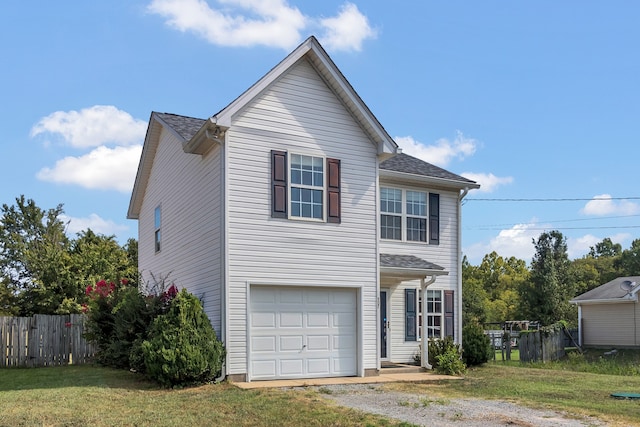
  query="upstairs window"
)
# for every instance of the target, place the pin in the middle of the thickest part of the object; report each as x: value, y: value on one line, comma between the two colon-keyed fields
x: 407, y: 216
x: 391, y: 213
x: 157, y: 222
x: 306, y: 187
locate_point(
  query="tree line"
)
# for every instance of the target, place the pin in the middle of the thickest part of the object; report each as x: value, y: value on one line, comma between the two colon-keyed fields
x: 501, y: 289
x: 43, y: 271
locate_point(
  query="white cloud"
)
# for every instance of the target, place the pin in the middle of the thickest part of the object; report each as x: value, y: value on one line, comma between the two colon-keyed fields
x: 488, y: 181
x: 604, y: 204
x: 92, y: 127
x: 276, y: 23
x: 516, y: 241
x: 347, y: 30
x: 96, y: 223
x: 271, y: 23
x: 442, y: 152
x: 580, y: 246
x: 103, y: 168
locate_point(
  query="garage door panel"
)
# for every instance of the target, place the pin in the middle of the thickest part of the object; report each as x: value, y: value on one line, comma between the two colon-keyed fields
x: 263, y: 344
x: 263, y: 320
x: 263, y: 368
x: 291, y: 343
x: 318, y: 320
x: 344, y: 342
x: 291, y: 367
x: 291, y: 320
x: 318, y: 343
x: 313, y: 331
x: 343, y: 320
x: 319, y: 366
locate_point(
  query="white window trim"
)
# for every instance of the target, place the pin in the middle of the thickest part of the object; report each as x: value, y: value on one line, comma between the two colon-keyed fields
x: 157, y: 228
x: 290, y: 185
x: 403, y: 215
x: 440, y: 314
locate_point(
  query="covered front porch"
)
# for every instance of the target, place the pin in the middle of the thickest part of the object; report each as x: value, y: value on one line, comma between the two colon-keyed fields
x: 403, y: 326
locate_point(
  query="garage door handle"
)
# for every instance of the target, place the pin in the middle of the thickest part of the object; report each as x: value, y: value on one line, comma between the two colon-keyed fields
x: 304, y: 346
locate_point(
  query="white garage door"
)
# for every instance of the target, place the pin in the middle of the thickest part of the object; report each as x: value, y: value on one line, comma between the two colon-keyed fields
x: 302, y: 332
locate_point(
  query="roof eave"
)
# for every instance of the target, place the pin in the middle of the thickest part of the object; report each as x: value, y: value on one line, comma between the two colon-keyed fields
x: 417, y: 273
x: 144, y: 166
x: 624, y: 299
x: 429, y: 180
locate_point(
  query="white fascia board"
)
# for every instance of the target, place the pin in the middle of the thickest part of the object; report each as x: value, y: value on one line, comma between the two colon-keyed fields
x: 410, y: 273
x: 149, y: 148
x: 426, y: 180
x: 621, y: 300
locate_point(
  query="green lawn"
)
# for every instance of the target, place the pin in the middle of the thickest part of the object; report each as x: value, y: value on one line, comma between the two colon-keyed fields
x: 96, y: 396
x: 90, y: 395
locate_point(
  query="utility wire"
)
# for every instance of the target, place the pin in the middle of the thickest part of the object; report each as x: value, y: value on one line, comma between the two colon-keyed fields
x: 473, y: 199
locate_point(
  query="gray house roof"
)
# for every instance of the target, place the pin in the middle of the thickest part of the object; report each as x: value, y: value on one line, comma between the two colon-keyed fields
x: 405, y: 163
x: 619, y: 289
x: 184, y: 126
x: 407, y: 262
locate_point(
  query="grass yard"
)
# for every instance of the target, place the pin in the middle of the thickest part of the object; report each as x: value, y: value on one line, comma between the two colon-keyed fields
x: 554, y: 387
x: 97, y: 396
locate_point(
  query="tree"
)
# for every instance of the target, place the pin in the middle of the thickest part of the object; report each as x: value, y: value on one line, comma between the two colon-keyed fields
x: 42, y: 271
x: 628, y: 264
x: 34, y: 256
x: 546, y: 297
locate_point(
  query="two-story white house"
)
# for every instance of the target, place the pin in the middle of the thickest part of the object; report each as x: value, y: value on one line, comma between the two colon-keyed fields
x: 309, y: 237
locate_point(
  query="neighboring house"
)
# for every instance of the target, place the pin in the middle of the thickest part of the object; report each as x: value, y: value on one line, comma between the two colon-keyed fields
x: 309, y: 237
x: 609, y: 315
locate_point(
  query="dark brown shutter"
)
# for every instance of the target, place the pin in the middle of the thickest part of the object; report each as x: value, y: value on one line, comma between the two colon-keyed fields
x: 434, y: 219
x: 448, y: 313
x: 333, y: 190
x: 278, y: 184
x: 410, y: 313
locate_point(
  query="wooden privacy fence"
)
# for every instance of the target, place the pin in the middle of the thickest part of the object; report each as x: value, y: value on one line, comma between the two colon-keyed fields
x: 541, y: 345
x: 43, y: 340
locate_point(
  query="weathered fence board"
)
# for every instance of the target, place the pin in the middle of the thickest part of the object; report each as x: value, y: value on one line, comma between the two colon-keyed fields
x: 43, y: 340
x: 538, y: 345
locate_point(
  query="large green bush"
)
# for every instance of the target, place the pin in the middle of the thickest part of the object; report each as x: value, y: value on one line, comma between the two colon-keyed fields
x: 182, y: 347
x: 445, y: 356
x: 476, y: 344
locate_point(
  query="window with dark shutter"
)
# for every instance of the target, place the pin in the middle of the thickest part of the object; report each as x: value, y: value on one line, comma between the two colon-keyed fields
x: 448, y: 314
x: 434, y: 219
x: 278, y: 184
x: 410, y: 310
x: 333, y: 190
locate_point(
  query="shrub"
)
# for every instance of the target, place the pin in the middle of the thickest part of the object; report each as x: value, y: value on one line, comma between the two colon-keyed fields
x: 445, y: 356
x: 118, y: 318
x: 476, y: 344
x: 450, y: 362
x: 182, y: 347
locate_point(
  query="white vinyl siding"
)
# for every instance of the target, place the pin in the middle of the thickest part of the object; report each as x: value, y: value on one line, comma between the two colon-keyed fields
x: 299, y: 114
x: 188, y: 189
x: 611, y: 324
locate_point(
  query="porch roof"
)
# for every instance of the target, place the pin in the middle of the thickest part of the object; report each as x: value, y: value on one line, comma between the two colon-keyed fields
x: 409, y: 265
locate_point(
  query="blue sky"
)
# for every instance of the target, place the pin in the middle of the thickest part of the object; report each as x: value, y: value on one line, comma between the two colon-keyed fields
x: 533, y: 99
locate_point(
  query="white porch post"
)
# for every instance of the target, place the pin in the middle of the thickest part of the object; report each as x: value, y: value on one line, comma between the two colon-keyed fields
x: 424, y: 357
x: 424, y: 339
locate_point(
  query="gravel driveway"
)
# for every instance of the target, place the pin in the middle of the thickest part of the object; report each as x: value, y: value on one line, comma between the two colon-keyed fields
x: 443, y: 412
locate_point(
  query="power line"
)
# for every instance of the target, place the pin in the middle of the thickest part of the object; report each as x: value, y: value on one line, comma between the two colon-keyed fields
x: 511, y: 224
x: 565, y: 199
x: 557, y: 228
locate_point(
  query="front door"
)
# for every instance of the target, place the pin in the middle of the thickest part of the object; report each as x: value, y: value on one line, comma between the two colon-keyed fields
x: 384, y: 325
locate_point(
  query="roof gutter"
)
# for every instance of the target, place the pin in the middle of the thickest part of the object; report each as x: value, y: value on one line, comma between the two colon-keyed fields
x: 209, y: 134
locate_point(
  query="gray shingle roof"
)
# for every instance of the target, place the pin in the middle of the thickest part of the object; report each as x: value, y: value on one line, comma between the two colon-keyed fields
x: 407, y: 261
x: 408, y: 164
x: 185, y: 126
x: 610, y: 290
